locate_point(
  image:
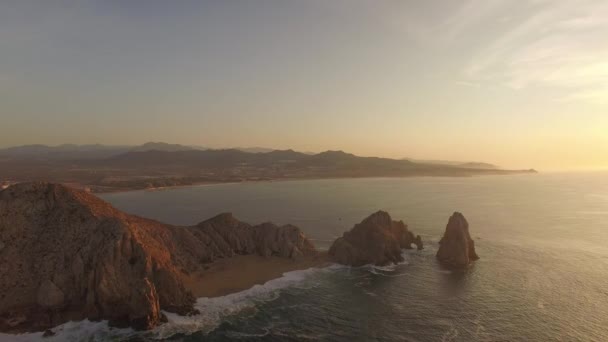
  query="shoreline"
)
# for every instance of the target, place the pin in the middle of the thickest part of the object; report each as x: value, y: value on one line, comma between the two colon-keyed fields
x: 204, y: 184
x: 242, y: 272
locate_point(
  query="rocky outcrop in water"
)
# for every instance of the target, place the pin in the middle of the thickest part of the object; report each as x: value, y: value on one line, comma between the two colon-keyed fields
x: 68, y: 255
x: 456, y: 248
x: 376, y: 240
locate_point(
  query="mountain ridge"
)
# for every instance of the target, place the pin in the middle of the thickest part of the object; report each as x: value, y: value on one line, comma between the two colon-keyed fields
x: 156, y: 165
x: 100, y: 151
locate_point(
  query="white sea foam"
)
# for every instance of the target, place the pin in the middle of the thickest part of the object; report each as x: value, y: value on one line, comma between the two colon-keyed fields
x: 74, y: 331
x: 392, y: 267
x: 369, y: 293
x: 213, y: 312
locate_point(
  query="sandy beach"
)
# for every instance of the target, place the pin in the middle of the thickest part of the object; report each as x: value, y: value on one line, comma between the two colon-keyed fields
x: 241, y: 272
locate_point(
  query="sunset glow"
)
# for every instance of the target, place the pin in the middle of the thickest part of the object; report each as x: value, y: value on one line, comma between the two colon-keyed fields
x: 516, y: 83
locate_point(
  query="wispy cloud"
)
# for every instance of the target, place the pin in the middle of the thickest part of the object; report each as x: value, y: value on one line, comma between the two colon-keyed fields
x: 559, y: 44
x: 468, y: 17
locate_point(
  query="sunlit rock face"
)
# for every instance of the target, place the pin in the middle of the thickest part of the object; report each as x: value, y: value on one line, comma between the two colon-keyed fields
x: 377, y: 240
x: 456, y: 248
x: 68, y: 255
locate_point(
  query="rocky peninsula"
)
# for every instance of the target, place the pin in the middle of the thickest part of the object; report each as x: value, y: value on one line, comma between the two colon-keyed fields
x: 66, y: 255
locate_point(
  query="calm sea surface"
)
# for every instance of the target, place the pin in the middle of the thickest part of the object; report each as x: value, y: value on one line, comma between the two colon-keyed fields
x: 542, y: 276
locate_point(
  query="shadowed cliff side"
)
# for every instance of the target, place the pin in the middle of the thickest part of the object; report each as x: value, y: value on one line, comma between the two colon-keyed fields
x: 68, y: 255
x: 456, y: 248
x: 376, y: 240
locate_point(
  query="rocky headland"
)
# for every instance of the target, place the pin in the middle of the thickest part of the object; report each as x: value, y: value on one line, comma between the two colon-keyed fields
x: 377, y: 240
x: 68, y: 255
x: 456, y: 248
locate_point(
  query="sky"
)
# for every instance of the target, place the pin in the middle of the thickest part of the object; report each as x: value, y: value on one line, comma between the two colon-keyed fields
x: 518, y: 83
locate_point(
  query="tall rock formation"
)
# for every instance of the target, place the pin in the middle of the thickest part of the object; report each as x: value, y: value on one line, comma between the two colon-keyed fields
x: 376, y: 240
x: 68, y: 255
x: 456, y: 248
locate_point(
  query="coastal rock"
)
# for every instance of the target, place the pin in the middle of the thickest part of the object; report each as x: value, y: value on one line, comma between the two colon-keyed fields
x: 49, y: 295
x: 68, y: 255
x: 418, y: 243
x: 376, y: 240
x: 456, y: 248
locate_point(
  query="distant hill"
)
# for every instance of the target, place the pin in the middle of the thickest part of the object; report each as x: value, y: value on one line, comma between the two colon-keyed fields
x: 162, y: 146
x: 62, y: 152
x: 254, y: 149
x: 469, y: 165
x: 154, y: 165
x: 98, y: 151
x: 337, y: 162
x: 478, y: 165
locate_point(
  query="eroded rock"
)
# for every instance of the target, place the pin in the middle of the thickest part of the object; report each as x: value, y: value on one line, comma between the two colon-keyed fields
x: 50, y: 296
x: 376, y: 240
x: 456, y: 248
x: 68, y: 255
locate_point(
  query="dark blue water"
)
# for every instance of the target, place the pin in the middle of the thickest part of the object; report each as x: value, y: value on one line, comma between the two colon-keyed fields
x: 543, y: 242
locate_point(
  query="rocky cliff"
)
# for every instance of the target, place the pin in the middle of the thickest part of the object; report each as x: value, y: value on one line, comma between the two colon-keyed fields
x: 68, y: 255
x: 376, y: 240
x: 456, y: 248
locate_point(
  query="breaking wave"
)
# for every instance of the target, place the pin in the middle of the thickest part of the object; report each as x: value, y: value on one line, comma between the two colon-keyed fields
x: 213, y: 312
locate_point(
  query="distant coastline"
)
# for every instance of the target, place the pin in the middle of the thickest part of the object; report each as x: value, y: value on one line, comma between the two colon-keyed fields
x: 153, y: 166
x: 112, y: 190
x: 249, y: 181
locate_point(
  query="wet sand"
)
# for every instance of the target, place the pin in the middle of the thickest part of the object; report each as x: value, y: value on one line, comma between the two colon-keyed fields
x: 242, y: 272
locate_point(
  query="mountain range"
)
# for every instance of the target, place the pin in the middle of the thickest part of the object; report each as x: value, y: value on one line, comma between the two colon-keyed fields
x: 98, y: 151
x: 114, y: 168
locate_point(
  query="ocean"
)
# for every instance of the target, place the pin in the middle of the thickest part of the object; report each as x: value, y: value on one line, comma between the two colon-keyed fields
x: 542, y: 276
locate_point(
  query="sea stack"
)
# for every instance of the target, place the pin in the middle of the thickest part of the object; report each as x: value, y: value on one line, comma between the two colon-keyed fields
x: 456, y: 248
x: 376, y: 240
x: 68, y: 255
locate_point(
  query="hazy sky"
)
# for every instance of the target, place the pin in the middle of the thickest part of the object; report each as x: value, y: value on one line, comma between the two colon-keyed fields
x: 522, y: 83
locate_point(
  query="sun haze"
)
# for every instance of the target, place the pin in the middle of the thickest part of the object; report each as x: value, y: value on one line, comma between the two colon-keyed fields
x: 517, y: 83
